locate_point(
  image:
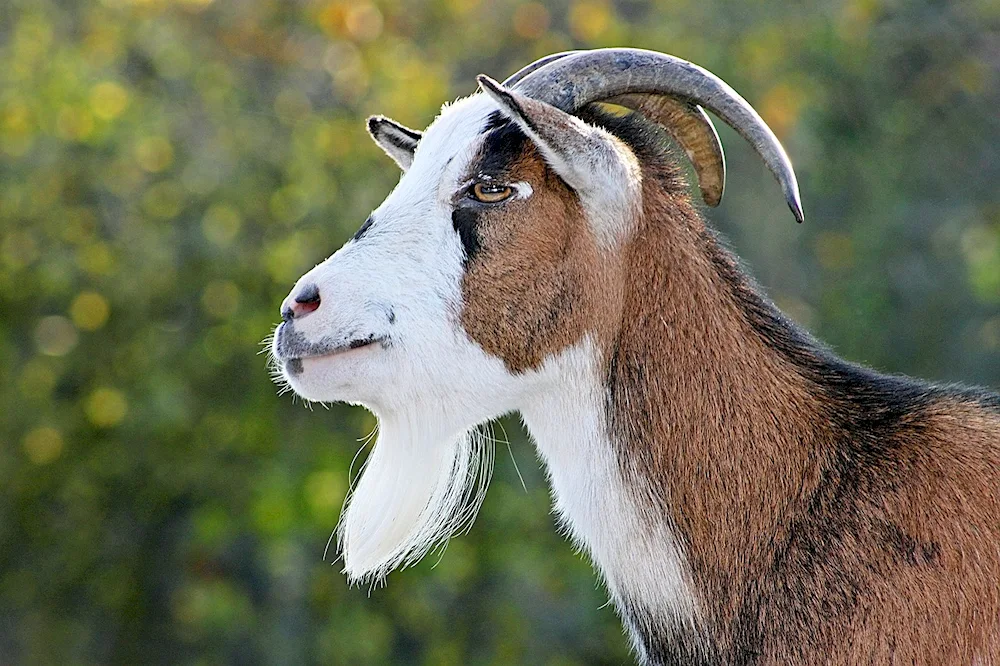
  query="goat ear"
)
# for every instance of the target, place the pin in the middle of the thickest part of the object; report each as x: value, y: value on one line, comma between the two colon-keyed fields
x: 398, y: 141
x: 582, y: 155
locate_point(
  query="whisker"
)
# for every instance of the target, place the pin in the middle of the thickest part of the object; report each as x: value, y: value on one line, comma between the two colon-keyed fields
x: 506, y: 441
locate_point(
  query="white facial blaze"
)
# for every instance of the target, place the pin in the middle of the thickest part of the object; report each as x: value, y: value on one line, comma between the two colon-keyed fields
x: 428, y: 383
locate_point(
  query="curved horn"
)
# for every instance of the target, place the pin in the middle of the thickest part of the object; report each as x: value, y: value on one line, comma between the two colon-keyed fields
x: 692, y: 129
x: 570, y: 82
x: 516, y: 77
x: 687, y: 123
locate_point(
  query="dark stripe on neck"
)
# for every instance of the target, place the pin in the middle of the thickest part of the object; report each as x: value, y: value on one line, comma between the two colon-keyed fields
x: 666, y: 643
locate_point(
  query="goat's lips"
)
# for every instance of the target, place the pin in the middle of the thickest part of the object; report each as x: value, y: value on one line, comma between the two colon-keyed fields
x: 295, y: 364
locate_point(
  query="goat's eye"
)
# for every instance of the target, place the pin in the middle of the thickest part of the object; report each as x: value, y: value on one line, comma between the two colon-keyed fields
x: 491, y: 192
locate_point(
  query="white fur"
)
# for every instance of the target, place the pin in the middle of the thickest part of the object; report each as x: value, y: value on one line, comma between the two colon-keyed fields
x: 422, y: 483
x: 637, y: 553
x: 522, y: 190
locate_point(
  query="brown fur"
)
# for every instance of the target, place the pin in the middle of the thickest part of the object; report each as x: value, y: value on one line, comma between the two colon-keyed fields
x: 533, y: 289
x: 829, y: 515
x: 803, y: 549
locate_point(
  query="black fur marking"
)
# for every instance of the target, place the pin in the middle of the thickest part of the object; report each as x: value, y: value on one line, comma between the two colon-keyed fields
x: 465, y: 219
x: 361, y: 342
x: 496, y: 120
x: 508, y: 100
x: 384, y: 129
x: 908, y: 549
x: 364, y: 228
x: 648, y: 141
x: 664, y: 643
x: 502, y: 147
x: 863, y: 400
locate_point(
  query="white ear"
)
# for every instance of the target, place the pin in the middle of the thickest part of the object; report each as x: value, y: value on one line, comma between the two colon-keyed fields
x: 398, y: 141
x: 583, y: 155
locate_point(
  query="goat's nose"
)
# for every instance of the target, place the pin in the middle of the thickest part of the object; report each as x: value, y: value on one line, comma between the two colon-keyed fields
x: 306, y: 301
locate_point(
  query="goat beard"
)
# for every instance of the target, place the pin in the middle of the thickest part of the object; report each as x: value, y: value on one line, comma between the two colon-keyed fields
x: 420, y: 485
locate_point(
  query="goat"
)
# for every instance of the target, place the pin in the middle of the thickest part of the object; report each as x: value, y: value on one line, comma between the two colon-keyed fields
x: 747, y: 496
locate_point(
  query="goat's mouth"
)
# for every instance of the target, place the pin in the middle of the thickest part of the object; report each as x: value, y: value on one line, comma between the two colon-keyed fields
x: 294, y: 365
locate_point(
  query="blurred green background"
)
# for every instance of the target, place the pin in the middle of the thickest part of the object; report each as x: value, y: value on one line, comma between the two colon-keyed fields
x: 168, y: 168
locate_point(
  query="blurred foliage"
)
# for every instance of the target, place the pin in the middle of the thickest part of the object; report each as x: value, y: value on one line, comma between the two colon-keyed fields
x: 168, y: 168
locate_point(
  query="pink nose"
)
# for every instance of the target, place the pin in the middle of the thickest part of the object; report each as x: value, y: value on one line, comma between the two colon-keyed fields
x: 306, y: 301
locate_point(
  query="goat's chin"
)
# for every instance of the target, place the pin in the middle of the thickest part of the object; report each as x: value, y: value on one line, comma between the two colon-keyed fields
x: 343, y: 377
x: 420, y: 485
